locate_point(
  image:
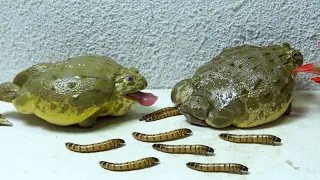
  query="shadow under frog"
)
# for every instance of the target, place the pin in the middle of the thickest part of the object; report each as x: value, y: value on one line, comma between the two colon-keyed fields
x: 103, y: 123
x: 245, y: 86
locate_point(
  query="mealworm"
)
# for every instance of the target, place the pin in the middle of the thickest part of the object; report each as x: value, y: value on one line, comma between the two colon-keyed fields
x: 161, y: 137
x: 130, y: 165
x: 95, y: 147
x: 251, y: 138
x: 161, y: 114
x: 4, y: 122
x: 184, y: 149
x: 218, y: 167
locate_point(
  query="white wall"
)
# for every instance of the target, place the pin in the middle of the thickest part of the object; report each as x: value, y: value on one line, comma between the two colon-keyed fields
x: 166, y: 40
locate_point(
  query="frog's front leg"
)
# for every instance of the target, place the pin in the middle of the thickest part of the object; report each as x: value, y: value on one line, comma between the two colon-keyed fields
x: 89, y: 122
x: 4, y: 122
x: 287, y: 112
x: 195, y: 121
x: 196, y: 109
x: 228, y: 115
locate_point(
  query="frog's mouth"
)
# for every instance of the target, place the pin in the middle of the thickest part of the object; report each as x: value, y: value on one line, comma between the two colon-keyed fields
x: 145, y: 99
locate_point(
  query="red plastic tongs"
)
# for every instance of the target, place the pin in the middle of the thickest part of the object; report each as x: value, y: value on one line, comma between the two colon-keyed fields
x: 310, y: 68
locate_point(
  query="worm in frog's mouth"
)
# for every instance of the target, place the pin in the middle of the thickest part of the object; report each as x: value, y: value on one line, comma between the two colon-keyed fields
x: 145, y: 99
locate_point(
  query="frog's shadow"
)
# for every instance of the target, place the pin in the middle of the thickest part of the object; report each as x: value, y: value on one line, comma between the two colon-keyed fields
x: 102, y: 124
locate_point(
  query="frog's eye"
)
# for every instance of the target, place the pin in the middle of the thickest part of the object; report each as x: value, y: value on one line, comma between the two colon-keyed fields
x: 129, y: 79
x: 295, y: 54
x: 297, y: 57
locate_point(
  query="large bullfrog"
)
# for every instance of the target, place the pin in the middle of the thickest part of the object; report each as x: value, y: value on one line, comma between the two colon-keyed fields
x: 244, y: 86
x: 76, y: 90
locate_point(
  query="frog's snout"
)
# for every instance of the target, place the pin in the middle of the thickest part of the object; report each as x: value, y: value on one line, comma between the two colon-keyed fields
x: 142, y: 83
x: 196, y: 106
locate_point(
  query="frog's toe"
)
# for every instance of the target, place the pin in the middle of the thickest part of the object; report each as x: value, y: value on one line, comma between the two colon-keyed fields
x: 196, y: 106
x: 8, y: 91
x: 288, y: 111
x: 89, y: 122
x: 220, y: 118
x: 193, y: 120
x: 196, y: 109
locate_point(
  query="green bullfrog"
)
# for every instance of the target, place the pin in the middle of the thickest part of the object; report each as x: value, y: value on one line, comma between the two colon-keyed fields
x: 244, y: 86
x: 76, y: 90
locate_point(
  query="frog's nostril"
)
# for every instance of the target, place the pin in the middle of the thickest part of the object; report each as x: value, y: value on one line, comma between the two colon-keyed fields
x: 197, y: 106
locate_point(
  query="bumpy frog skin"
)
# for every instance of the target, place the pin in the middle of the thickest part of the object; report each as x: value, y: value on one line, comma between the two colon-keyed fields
x: 244, y: 86
x: 74, y: 91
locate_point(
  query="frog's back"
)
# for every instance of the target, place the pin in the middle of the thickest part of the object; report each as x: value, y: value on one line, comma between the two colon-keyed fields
x: 88, y: 66
x: 249, y: 67
x: 85, y: 66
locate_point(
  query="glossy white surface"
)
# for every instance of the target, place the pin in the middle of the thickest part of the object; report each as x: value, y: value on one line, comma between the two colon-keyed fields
x: 35, y: 148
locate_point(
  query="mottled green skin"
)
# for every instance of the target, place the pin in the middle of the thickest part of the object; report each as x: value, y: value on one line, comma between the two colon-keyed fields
x: 74, y: 91
x: 244, y: 86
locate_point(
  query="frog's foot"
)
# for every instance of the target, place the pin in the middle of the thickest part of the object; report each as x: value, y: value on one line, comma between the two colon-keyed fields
x: 4, y: 122
x: 196, y: 109
x: 287, y: 112
x: 193, y: 120
x: 8, y: 91
x: 220, y: 118
x: 89, y: 122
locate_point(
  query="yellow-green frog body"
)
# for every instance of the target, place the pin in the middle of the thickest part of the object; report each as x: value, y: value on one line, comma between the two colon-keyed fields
x: 75, y: 91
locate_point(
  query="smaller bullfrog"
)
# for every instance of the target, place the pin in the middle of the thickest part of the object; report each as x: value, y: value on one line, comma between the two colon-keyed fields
x: 244, y: 86
x: 76, y: 90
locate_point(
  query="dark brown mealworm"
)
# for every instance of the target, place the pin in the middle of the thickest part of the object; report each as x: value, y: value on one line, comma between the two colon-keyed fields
x: 161, y: 114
